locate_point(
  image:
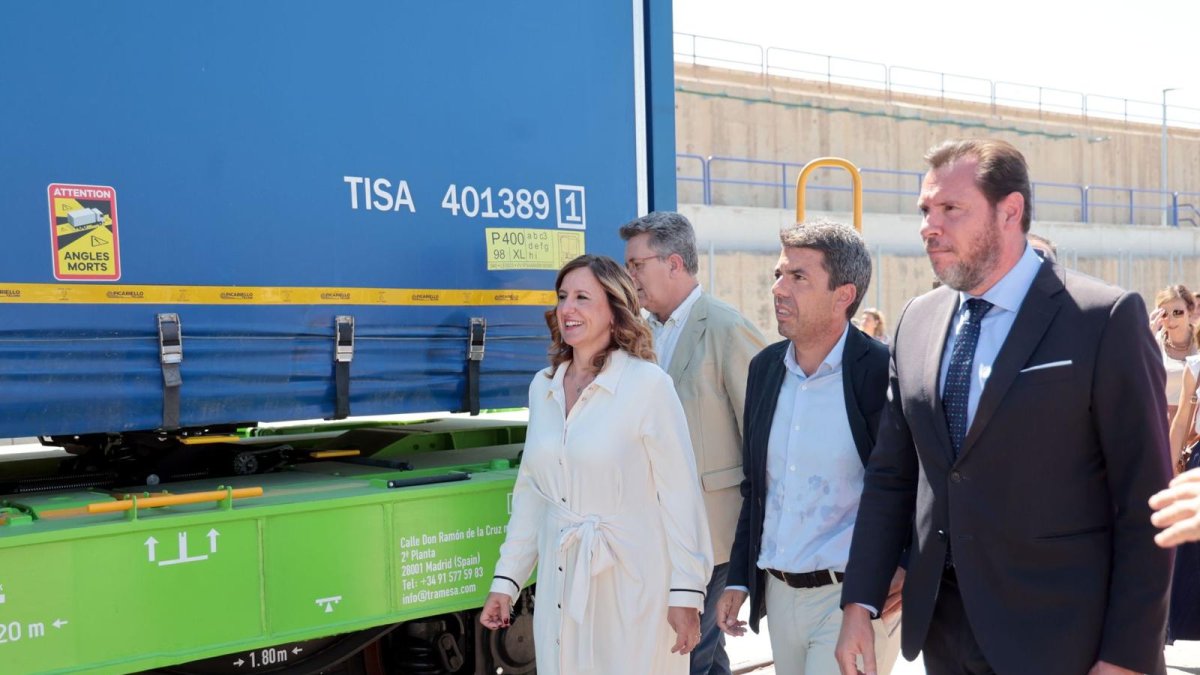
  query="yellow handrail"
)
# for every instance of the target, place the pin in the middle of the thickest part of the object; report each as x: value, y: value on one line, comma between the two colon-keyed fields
x: 820, y: 162
x: 332, y: 454
x: 174, y: 500
x: 209, y: 440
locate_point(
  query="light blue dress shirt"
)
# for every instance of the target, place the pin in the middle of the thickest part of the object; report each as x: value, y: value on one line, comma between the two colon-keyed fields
x: 814, y: 472
x: 1006, y: 298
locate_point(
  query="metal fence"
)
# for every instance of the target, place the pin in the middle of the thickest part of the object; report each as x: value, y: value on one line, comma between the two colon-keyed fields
x: 741, y: 181
x: 892, y: 80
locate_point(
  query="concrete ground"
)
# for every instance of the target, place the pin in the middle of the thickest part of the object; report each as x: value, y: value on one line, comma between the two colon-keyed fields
x: 751, y: 655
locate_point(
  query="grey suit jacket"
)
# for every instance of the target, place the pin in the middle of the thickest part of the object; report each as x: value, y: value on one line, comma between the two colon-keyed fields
x: 1046, y: 504
x: 709, y: 368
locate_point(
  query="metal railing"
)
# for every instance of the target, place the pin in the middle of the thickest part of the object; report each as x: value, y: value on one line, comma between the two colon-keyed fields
x: 1190, y: 210
x: 897, y: 191
x: 683, y: 159
x: 894, y: 79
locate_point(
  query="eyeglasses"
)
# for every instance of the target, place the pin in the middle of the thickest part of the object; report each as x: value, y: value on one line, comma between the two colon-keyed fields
x: 1178, y: 312
x: 635, y: 265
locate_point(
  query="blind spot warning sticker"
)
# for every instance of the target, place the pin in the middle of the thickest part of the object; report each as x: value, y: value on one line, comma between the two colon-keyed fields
x: 83, y: 232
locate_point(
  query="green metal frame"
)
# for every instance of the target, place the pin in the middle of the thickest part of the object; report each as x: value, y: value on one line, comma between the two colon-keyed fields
x: 328, y: 549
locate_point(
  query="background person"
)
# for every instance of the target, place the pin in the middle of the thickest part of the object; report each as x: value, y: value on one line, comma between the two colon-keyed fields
x: 706, y: 347
x: 1042, y: 246
x: 872, y: 323
x: 1183, y: 618
x: 1171, y: 323
x: 1185, y: 428
x: 607, y: 502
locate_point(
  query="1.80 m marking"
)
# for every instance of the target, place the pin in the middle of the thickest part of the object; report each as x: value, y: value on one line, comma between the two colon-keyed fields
x: 262, y: 658
x: 268, y: 657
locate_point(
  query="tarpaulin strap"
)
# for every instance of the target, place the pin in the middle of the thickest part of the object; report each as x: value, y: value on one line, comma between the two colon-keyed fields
x: 343, y: 354
x: 475, y: 340
x: 170, y: 350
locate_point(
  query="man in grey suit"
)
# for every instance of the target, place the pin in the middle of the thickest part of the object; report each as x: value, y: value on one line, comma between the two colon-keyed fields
x: 706, y: 347
x: 1024, y: 433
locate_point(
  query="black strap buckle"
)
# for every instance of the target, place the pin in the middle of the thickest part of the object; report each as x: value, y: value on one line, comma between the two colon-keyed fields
x: 170, y: 355
x: 476, y: 339
x: 343, y: 354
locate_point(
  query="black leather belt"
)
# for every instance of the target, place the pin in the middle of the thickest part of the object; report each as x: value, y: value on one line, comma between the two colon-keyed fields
x: 808, y: 579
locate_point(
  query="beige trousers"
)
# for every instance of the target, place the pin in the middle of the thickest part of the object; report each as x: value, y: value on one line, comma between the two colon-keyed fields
x: 804, y: 623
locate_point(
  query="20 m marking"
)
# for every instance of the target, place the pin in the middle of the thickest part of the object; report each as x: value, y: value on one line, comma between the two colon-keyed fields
x: 16, y: 631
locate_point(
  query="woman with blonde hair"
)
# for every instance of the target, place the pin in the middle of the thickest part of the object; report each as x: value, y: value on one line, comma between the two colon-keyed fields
x: 607, y: 502
x: 1171, y: 323
x: 871, y: 322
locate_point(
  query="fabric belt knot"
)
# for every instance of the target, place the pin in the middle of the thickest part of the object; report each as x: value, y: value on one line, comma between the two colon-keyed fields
x: 594, y: 557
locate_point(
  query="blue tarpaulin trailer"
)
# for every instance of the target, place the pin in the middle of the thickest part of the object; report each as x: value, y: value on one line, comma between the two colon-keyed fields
x: 256, y: 170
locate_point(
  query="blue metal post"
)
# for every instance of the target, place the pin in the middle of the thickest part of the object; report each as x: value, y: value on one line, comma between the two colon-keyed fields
x: 706, y: 174
x: 783, y: 182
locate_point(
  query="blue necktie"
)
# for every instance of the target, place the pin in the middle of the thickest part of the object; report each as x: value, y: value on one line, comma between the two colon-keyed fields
x: 957, y: 391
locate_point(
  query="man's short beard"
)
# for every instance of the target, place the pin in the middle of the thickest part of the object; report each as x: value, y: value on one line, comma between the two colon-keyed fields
x: 976, y: 263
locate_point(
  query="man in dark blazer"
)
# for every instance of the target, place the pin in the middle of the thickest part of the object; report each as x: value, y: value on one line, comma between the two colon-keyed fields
x: 812, y: 408
x: 1025, y: 430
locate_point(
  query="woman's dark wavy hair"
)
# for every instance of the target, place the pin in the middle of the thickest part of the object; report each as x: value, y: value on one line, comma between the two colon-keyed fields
x: 629, y: 331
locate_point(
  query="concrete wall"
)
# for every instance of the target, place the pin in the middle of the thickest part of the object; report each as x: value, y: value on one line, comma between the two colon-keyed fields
x: 740, y: 245
x: 722, y: 112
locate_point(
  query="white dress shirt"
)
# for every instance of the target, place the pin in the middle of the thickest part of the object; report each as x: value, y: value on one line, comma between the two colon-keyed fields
x: 814, y: 472
x: 1006, y: 297
x: 666, y: 333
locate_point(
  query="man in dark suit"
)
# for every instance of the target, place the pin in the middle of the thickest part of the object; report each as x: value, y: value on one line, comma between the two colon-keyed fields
x: 812, y: 408
x: 1024, y: 433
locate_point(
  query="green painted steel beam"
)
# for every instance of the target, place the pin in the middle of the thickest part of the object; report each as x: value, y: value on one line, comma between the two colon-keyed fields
x: 329, y: 548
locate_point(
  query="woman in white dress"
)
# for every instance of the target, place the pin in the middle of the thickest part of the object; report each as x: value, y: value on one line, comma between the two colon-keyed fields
x: 607, y: 501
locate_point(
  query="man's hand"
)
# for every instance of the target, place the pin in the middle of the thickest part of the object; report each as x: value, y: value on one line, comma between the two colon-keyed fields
x: 686, y: 622
x: 891, y: 606
x: 1105, y: 668
x: 497, y: 611
x: 1177, y: 509
x: 727, y: 613
x: 856, y: 639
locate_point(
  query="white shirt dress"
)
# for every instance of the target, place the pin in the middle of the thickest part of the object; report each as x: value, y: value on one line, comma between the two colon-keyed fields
x: 608, y: 505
